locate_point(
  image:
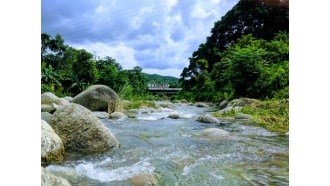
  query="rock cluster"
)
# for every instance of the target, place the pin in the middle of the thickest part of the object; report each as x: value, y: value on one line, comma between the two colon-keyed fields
x: 69, y: 124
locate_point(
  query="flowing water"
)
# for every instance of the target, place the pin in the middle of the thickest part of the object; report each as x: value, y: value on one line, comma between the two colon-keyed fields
x: 173, y: 152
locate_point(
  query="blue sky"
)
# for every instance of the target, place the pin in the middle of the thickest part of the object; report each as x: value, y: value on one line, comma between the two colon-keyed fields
x: 159, y: 36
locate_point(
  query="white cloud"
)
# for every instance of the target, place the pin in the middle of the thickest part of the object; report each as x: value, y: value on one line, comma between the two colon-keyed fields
x: 215, y: 1
x: 136, y: 23
x: 101, y: 10
x: 170, y: 3
x: 203, y: 10
x: 158, y: 36
x: 123, y: 54
x: 198, y: 12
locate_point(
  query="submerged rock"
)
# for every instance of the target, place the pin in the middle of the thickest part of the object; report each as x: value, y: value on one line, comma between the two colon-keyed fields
x: 174, y: 116
x: 144, y: 180
x: 101, y: 115
x: 207, y: 118
x: 52, y: 148
x: 48, y: 179
x: 80, y: 130
x: 214, y: 133
x: 117, y: 115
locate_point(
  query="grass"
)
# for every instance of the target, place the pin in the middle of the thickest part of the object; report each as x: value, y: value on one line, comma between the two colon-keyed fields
x: 270, y: 114
x: 138, y: 104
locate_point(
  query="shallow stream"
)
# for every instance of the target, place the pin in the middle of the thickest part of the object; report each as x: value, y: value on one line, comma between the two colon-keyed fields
x: 174, y: 153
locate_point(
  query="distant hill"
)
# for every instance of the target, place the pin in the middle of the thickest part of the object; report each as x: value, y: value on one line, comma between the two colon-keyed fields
x: 159, y: 79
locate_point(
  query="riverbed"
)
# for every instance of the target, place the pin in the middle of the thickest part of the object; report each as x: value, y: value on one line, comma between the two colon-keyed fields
x: 174, y: 153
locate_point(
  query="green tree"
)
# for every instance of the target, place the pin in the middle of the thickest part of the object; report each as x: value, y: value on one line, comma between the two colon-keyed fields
x: 49, y: 78
x: 235, y: 62
x: 85, y: 67
x: 109, y: 71
x: 52, y: 49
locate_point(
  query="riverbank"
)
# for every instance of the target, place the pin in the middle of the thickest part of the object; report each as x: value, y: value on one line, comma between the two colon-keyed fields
x: 272, y: 114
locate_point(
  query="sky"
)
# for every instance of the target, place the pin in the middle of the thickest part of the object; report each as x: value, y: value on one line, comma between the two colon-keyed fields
x: 157, y: 35
x: 20, y: 80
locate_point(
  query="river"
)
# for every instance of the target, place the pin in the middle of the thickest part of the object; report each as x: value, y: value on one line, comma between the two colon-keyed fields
x: 174, y: 153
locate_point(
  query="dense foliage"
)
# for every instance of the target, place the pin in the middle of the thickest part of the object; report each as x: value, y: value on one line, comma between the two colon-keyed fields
x: 158, y: 79
x: 68, y: 71
x: 247, y: 55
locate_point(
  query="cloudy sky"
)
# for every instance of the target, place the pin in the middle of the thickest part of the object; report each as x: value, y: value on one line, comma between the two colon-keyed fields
x: 157, y: 35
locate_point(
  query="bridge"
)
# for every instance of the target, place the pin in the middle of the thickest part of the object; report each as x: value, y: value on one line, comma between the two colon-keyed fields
x: 162, y: 89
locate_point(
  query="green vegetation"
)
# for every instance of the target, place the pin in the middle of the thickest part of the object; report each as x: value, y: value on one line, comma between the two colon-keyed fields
x: 231, y: 113
x: 140, y: 104
x: 246, y: 55
x: 68, y: 71
x: 158, y: 79
x: 271, y: 114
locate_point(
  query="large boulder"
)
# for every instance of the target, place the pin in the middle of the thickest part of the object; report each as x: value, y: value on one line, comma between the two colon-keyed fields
x: 49, y: 179
x: 98, y: 98
x: 81, y: 131
x: 52, y: 148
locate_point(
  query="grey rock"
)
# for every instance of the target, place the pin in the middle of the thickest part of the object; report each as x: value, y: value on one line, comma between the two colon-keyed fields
x: 117, y: 115
x: 81, y: 131
x: 144, y: 180
x: 48, y: 179
x: 241, y: 102
x: 207, y: 118
x: 98, y: 98
x: 52, y: 148
x: 46, y: 116
x: 101, y: 115
x: 174, y: 116
x: 214, y: 133
x: 223, y: 104
x: 47, y: 108
x: 243, y: 116
x: 201, y: 104
x: 48, y: 98
x: 231, y: 109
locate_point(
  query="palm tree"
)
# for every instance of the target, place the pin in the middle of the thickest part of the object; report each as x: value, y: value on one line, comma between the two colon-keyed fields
x: 49, y: 76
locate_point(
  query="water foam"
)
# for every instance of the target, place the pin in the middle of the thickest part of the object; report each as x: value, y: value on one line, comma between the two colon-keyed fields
x: 123, y: 173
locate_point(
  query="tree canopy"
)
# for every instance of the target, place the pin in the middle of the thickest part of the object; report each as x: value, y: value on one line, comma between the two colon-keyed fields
x: 67, y: 71
x: 246, y: 55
